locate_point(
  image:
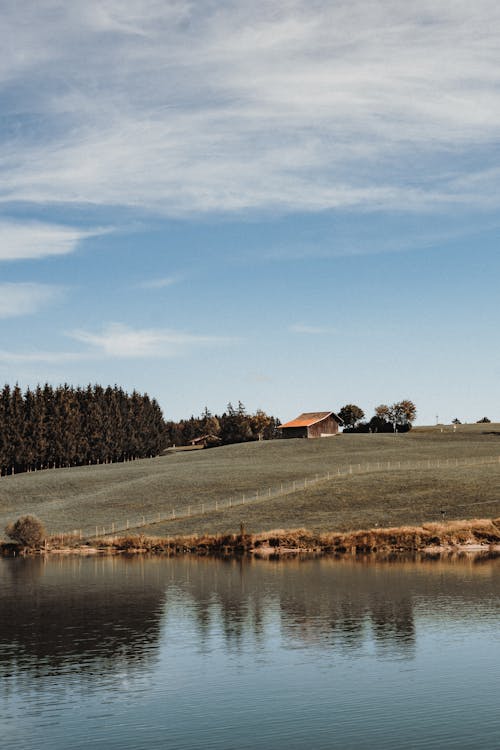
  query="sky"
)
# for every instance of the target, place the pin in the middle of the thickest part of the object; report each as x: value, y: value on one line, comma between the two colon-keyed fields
x: 293, y: 203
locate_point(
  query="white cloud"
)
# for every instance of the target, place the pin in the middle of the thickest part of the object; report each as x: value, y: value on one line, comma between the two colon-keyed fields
x: 119, y: 341
x: 20, y: 241
x: 25, y: 298
x: 160, y: 283
x: 116, y: 340
x: 183, y: 106
x: 310, y: 330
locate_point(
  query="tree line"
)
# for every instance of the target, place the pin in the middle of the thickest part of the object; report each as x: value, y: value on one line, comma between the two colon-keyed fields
x: 65, y: 426
x: 397, y: 417
x: 235, y: 425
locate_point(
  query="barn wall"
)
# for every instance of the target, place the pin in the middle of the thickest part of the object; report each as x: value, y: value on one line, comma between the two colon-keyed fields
x: 294, y: 432
x: 328, y: 426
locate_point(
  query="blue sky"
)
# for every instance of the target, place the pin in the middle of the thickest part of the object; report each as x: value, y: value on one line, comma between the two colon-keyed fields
x: 294, y: 204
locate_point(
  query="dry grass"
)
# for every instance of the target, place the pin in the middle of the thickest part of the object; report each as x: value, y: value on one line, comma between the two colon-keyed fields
x: 57, y: 541
x: 405, y: 538
x: 456, y: 534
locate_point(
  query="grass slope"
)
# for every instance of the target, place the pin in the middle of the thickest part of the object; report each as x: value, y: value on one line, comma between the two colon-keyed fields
x: 67, y: 499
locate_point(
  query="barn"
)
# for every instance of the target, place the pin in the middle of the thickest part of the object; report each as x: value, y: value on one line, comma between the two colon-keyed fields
x: 312, y: 424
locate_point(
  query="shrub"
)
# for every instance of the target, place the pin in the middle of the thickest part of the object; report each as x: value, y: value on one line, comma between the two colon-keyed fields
x: 27, y: 530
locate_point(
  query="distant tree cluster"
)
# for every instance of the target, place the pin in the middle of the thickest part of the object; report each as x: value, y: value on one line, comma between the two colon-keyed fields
x: 395, y: 418
x: 65, y: 426
x: 233, y: 426
x: 483, y: 420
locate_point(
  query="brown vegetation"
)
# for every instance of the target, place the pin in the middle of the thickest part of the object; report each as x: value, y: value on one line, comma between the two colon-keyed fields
x: 432, y: 536
x: 27, y: 531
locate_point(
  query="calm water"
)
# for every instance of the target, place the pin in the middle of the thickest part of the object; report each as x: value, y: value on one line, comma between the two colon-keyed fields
x: 158, y: 653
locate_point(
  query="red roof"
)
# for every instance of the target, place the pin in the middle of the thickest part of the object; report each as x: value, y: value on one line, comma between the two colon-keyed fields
x: 311, y: 417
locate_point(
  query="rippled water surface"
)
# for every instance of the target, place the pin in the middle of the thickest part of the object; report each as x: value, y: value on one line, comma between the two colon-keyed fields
x: 195, y: 653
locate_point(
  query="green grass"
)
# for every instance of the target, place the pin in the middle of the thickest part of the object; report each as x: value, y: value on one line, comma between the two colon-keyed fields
x: 472, y: 428
x: 67, y: 499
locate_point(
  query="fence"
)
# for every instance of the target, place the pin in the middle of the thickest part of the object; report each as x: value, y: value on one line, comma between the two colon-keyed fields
x: 198, y: 509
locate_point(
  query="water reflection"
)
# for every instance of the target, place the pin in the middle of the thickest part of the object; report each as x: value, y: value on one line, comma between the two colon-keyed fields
x: 103, y: 615
x: 66, y: 614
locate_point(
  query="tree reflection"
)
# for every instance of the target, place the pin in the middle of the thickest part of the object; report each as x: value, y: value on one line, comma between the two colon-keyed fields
x: 88, y: 615
x: 103, y: 615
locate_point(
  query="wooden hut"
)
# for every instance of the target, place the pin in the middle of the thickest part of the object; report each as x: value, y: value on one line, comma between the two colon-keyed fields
x: 205, y: 441
x: 313, y: 424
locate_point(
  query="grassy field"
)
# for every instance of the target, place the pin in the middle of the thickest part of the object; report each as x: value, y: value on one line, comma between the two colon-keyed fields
x: 82, y: 498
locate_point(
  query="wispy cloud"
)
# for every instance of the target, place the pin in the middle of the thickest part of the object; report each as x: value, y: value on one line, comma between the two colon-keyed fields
x: 310, y: 330
x: 25, y: 298
x: 195, y: 107
x: 161, y: 283
x: 20, y: 241
x: 116, y: 340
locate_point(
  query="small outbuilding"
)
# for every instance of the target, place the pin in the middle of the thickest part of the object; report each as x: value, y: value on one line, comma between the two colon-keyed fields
x: 205, y: 441
x: 314, y: 424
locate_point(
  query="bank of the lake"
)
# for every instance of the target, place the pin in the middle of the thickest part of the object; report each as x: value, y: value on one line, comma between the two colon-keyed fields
x: 475, y: 535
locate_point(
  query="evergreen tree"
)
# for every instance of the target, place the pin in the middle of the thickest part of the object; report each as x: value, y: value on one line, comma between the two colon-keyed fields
x: 48, y: 427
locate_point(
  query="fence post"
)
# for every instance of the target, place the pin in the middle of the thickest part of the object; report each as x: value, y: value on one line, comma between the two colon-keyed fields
x: 269, y: 492
x: 216, y: 506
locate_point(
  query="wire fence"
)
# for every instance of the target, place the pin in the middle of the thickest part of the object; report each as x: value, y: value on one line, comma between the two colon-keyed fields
x: 200, y: 509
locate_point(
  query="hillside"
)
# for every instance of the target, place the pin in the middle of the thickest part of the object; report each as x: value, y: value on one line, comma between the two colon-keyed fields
x: 86, y: 497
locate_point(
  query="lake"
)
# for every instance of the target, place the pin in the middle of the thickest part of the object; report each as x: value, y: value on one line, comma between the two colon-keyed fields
x: 196, y: 653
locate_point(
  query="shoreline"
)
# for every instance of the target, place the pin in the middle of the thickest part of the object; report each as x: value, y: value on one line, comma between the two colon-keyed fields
x: 467, y: 536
